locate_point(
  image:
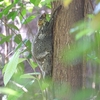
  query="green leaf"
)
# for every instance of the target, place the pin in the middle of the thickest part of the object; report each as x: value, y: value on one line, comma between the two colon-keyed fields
x: 19, y: 45
x: 2, y: 36
x: 32, y: 1
x: 12, y: 15
x: 4, y: 68
x: 44, y: 85
x: 48, y: 5
x: 22, y: 13
x: 13, y: 26
x: 6, y: 10
x: 29, y: 19
x: 35, y: 2
x: 83, y: 94
x: 16, y: 1
x: 48, y: 17
x: 5, y: 39
x: 1, y: 14
x: 47, y: 2
x: 82, y: 33
x: 8, y: 91
x: 21, y: 60
x: 18, y: 38
x: 11, y: 67
x: 1, y: 0
x: 27, y: 76
x: 28, y: 44
x: 33, y: 64
x: 19, y: 71
x: 1, y: 6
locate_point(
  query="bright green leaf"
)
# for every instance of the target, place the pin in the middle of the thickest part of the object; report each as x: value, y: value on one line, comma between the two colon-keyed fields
x: 11, y: 67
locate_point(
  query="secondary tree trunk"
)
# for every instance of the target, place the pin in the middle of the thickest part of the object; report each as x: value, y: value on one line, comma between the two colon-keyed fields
x: 70, y: 74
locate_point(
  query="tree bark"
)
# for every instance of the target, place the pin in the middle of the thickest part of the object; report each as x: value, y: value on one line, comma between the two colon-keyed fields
x: 70, y: 74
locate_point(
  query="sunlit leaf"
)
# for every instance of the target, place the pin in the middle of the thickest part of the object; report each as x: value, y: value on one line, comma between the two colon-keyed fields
x: 11, y: 67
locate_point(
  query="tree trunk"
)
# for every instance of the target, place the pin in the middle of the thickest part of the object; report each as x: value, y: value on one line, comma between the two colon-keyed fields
x: 70, y: 74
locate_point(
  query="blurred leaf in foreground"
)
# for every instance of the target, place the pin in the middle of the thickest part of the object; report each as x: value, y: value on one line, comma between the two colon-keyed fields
x: 11, y: 67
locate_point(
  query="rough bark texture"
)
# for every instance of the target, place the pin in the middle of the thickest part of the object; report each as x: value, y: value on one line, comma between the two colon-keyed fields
x: 68, y: 16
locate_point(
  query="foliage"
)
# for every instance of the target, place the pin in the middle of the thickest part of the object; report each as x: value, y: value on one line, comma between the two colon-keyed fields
x: 19, y: 85
x: 16, y: 82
